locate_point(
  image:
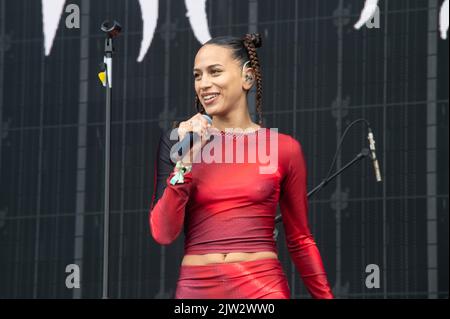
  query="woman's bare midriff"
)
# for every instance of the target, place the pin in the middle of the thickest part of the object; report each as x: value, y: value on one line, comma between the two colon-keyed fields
x: 200, y: 260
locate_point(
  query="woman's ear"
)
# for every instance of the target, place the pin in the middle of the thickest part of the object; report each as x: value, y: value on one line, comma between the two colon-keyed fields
x: 248, y: 79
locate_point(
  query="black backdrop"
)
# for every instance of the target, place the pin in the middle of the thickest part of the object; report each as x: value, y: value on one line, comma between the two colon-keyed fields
x: 319, y: 74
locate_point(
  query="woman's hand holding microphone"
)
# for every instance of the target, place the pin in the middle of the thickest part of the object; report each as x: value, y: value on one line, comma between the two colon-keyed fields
x: 199, y: 124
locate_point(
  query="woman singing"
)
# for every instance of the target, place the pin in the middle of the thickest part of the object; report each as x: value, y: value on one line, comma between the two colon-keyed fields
x: 227, y: 208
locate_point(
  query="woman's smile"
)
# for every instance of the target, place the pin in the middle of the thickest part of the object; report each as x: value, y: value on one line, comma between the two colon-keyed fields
x: 210, y: 99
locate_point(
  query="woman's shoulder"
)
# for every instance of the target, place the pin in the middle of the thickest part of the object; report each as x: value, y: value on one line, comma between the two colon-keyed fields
x: 290, y: 155
x: 286, y: 141
x: 289, y: 149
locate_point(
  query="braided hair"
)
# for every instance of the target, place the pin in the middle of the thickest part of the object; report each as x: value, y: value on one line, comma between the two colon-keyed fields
x: 243, y: 50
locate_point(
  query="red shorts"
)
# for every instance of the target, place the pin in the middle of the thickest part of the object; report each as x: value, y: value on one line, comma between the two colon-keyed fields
x: 259, y: 279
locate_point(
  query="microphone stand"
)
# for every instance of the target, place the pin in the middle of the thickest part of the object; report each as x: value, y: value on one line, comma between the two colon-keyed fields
x: 111, y: 32
x: 364, y: 153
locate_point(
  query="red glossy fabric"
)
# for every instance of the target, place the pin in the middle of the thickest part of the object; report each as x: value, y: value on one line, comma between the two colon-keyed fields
x: 259, y: 279
x: 230, y: 207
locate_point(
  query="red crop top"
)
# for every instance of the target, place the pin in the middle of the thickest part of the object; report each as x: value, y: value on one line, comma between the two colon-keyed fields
x: 230, y: 207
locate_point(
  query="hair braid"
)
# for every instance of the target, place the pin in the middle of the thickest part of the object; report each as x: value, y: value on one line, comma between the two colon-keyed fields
x: 251, y: 41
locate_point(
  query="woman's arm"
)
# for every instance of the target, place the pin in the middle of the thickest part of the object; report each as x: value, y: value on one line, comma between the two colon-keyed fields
x: 168, y: 204
x: 294, y: 210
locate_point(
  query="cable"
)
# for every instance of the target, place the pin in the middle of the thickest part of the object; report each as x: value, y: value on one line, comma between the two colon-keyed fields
x: 342, y: 140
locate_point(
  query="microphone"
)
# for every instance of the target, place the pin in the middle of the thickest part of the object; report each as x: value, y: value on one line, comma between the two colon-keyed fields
x: 373, y: 155
x: 187, y: 142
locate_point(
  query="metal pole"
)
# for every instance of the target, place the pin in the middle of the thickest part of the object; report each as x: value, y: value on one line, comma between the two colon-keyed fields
x: 112, y: 30
x: 108, y: 63
x: 106, y: 199
x: 81, y: 193
x: 431, y: 158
